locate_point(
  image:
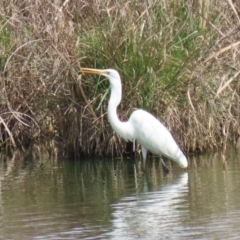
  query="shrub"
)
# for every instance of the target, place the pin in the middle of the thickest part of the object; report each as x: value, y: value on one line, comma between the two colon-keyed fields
x: 178, y: 60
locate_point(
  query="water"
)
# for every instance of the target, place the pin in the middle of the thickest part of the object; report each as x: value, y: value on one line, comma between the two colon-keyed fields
x: 112, y: 199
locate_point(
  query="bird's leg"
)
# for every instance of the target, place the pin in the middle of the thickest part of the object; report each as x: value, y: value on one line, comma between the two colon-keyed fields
x: 144, y: 155
x: 165, y: 167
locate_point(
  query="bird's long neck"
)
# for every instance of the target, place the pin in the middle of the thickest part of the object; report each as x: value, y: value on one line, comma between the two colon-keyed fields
x: 122, y: 128
x: 114, y: 101
x: 113, y: 117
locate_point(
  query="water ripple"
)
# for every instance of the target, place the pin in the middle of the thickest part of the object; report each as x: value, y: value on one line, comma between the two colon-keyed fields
x: 151, y: 212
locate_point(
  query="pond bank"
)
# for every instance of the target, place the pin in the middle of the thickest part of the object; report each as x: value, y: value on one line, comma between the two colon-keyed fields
x: 179, y: 65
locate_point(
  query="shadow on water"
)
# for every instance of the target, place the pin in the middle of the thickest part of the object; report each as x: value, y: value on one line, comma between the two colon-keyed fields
x: 111, y: 199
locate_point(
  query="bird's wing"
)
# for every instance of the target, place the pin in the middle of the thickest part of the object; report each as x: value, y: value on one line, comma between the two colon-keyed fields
x: 153, y: 135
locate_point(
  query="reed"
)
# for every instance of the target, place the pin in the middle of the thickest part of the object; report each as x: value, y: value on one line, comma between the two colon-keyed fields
x: 178, y: 60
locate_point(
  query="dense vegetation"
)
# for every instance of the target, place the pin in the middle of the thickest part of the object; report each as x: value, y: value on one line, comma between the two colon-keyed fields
x: 178, y: 59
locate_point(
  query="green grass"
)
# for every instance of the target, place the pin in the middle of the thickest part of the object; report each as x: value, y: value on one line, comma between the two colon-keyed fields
x: 157, y: 43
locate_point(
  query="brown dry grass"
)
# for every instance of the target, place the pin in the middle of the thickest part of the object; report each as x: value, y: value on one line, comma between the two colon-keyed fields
x: 179, y: 61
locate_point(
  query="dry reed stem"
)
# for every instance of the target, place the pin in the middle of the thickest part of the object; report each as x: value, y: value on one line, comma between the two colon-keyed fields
x: 234, y: 9
x: 216, y: 54
x: 158, y: 47
x: 221, y: 88
x: 8, y: 131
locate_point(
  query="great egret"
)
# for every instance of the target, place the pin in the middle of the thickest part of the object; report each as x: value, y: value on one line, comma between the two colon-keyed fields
x: 141, y: 126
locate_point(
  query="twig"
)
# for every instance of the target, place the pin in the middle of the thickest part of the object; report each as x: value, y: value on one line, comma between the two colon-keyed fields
x: 60, y: 10
x: 8, y: 131
x: 234, y: 9
x: 190, y: 101
x: 216, y: 54
x: 5, y: 66
x: 221, y: 88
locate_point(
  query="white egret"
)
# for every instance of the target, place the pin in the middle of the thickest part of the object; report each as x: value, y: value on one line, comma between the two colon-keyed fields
x: 141, y: 126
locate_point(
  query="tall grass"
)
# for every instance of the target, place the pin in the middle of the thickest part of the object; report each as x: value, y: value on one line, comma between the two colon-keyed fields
x: 178, y: 59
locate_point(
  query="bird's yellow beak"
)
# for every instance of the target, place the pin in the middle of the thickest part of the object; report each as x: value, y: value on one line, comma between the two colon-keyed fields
x: 94, y: 71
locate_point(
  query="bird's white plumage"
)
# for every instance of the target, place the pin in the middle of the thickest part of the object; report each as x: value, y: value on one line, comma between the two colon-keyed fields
x: 141, y: 126
x: 155, y: 137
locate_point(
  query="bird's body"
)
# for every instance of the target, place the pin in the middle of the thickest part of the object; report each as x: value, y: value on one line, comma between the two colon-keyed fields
x: 141, y: 126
